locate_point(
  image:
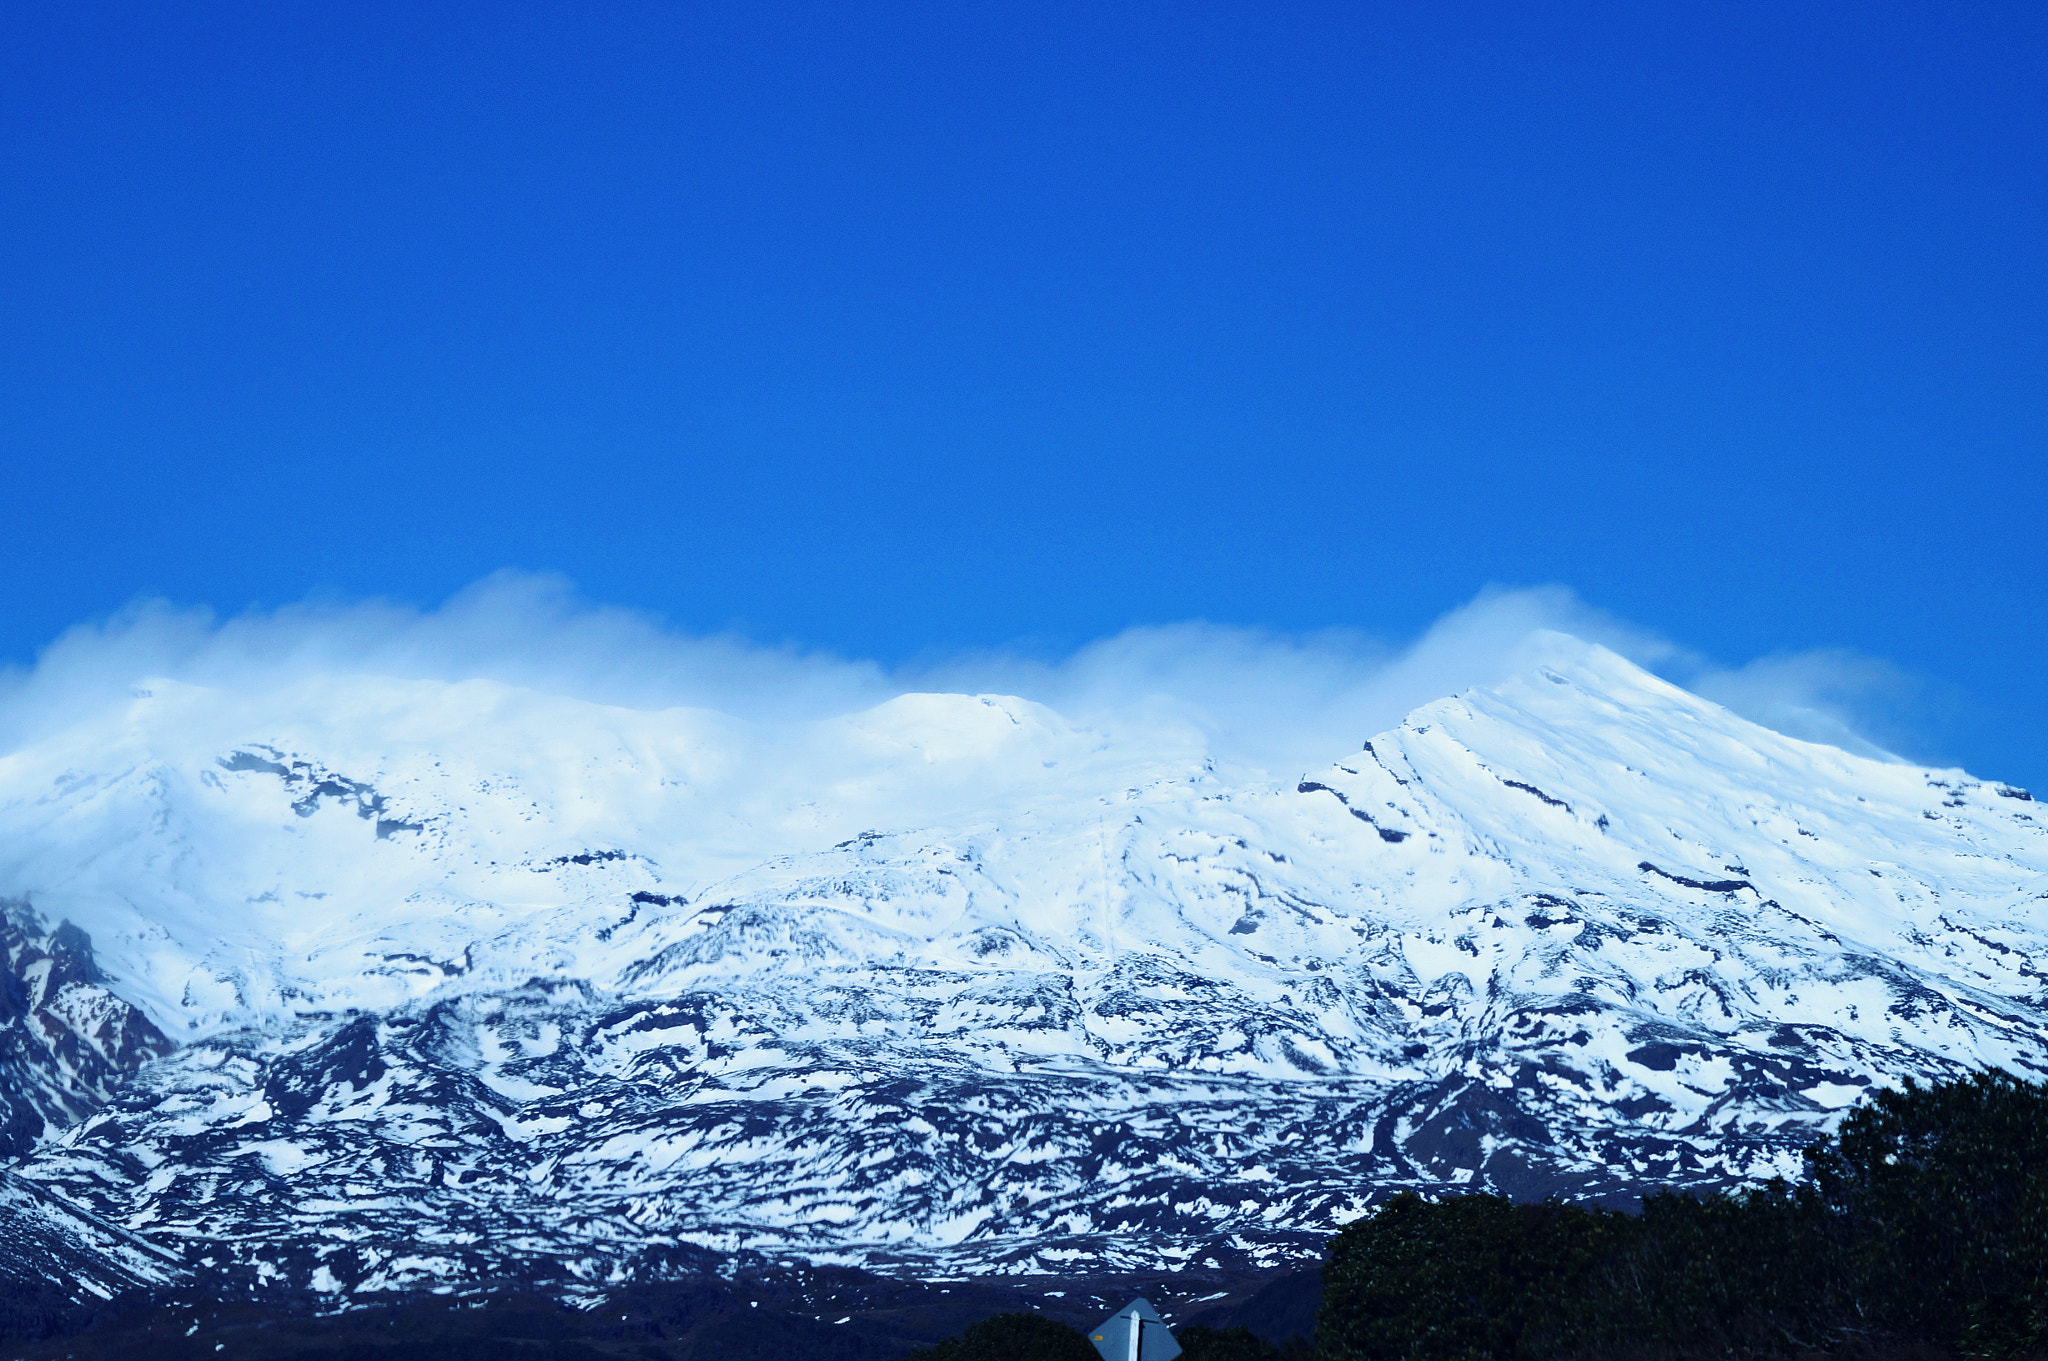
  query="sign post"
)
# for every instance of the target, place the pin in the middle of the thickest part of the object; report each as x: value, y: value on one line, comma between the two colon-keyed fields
x: 1134, y: 1333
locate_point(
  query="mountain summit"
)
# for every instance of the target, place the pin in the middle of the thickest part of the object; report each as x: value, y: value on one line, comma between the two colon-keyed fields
x: 446, y: 982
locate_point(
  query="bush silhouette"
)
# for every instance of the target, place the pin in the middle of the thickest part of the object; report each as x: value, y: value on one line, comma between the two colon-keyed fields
x: 1924, y: 1222
x: 1939, y: 1202
x: 1012, y: 1337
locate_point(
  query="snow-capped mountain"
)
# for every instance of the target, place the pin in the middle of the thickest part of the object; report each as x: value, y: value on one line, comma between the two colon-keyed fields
x: 470, y: 982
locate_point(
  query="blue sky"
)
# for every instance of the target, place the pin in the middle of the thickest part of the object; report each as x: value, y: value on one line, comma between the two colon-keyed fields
x: 898, y: 329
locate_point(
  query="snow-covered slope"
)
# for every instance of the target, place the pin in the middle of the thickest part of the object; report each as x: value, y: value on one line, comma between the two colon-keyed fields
x: 471, y: 981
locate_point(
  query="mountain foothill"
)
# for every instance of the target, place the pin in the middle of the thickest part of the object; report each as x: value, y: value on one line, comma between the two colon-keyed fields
x: 400, y: 1003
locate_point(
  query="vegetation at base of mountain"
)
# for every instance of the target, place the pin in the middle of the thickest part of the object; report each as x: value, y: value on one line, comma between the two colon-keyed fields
x: 829, y: 1314
x: 1030, y: 1337
x: 1923, y: 1223
x: 35, y: 1310
x: 1938, y: 1202
x: 1012, y: 1337
x: 1202, y: 1343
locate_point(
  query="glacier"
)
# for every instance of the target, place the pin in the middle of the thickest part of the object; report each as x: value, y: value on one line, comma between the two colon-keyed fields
x: 402, y: 984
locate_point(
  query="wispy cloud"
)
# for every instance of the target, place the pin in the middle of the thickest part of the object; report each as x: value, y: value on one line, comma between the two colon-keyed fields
x: 1282, y: 702
x: 1826, y: 695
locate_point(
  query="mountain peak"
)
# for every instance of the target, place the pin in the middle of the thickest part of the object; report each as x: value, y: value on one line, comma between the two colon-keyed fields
x: 955, y: 981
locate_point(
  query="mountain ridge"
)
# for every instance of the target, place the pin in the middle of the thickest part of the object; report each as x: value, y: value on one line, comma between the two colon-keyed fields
x: 523, y: 1009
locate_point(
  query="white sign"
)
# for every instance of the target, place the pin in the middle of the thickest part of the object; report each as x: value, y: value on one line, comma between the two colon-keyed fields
x: 1134, y: 1333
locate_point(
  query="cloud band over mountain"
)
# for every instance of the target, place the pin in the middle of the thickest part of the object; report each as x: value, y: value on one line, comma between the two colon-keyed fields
x: 1251, y: 697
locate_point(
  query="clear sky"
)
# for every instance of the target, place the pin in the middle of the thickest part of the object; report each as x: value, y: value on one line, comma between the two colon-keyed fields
x: 892, y: 328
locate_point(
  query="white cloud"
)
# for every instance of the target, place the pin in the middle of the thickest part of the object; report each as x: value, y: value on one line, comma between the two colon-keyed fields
x: 1825, y: 695
x: 1280, y: 702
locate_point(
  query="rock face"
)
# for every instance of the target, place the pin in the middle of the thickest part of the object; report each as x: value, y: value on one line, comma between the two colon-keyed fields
x: 471, y: 983
x: 65, y: 1041
x: 54, y: 1255
x: 66, y: 1045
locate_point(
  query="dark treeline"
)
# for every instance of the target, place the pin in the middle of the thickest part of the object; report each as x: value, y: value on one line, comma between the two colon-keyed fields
x: 1923, y: 1223
x: 1919, y: 1230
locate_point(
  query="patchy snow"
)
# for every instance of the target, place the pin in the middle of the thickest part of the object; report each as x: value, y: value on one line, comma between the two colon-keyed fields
x: 964, y: 984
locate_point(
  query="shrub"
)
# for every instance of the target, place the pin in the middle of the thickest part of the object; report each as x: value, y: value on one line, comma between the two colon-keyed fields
x: 1939, y: 1197
x: 1923, y: 1223
x: 1012, y: 1337
x: 1199, y: 1342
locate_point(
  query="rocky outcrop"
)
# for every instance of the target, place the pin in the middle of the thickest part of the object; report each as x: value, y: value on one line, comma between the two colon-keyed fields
x: 66, y: 1040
